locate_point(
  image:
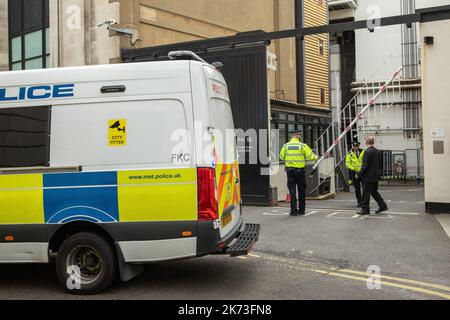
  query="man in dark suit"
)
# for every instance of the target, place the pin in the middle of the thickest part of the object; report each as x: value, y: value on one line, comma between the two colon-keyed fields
x: 370, y: 176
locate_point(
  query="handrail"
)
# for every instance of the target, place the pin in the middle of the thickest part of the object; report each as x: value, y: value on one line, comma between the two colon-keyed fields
x: 342, y: 112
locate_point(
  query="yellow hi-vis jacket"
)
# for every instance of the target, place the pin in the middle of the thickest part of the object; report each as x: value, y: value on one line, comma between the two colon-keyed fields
x: 353, y: 162
x: 295, y: 154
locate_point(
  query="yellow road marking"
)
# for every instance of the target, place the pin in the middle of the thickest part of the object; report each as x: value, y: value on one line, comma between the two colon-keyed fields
x: 335, y: 273
x: 396, y: 285
x: 424, y: 284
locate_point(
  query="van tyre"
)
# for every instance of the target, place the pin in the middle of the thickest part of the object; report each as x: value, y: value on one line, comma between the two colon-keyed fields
x: 86, y: 264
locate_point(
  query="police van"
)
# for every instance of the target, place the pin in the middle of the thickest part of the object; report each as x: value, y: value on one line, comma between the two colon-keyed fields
x: 106, y: 168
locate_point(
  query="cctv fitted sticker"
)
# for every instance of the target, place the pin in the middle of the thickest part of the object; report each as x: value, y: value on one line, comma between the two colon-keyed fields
x: 117, y: 133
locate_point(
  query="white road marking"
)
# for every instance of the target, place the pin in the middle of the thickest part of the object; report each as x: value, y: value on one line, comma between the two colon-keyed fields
x: 333, y: 213
x: 276, y: 213
x: 337, y: 213
x: 376, y: 217
x: 388, y: 201
x: 310, y: 213
x: 387, y: 212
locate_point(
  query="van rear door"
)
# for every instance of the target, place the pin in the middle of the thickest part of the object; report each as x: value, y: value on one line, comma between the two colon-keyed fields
x: 225, y: 152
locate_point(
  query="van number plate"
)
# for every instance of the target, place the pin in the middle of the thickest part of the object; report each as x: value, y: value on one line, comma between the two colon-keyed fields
x: 227, y: 220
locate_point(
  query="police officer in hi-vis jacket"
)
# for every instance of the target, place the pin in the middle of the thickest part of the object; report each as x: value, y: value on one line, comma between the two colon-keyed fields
x: 296, y: 154
x: 353, y: 162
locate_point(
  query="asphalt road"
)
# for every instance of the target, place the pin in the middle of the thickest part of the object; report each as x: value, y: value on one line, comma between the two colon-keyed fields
x: 325, y: 255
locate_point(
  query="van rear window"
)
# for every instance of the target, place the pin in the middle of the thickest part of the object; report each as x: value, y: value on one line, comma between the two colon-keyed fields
x: 222, y: 121
x: 24, y: 137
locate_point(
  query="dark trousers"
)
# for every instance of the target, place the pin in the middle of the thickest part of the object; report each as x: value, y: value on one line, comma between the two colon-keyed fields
x: 357, y: 185
x: 297, y: 181
x: 371, y: 189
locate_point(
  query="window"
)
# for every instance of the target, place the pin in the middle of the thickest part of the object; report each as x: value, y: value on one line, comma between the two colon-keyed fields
x: 307, y: 136
x: 315, y: 137
x: 321, y: 47
x: 29, y: 34
x: 291, y: 128
x: 322, y: 96
x: 310, y: 126
x: 24, y: 137
x: 222, y: 121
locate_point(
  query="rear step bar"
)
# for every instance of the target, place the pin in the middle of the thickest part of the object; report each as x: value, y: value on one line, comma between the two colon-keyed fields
x: 245, y: 242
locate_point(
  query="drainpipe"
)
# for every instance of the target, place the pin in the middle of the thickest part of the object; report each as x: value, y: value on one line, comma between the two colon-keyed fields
x: 300, y: 53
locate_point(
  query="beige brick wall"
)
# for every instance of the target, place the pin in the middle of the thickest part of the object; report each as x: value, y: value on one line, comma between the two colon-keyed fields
x: 165, y: 22
x: 286, y: 82
x: 4, y: 41
x: 195, y: 19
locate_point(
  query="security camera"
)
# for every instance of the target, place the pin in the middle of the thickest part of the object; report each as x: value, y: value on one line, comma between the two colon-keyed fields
x: 109, y: 22
x: 113, y: 25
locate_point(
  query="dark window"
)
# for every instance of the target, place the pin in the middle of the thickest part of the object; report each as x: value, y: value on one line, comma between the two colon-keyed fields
x: 291, y: 117
x: 33, y: 14
x: 315, y: 137
x: 291, y: 128
x: 321, y: 47
x: 15, y: 17
x: 29, y: 34
x: 24, y: 137
x: 310, y: 126
x: 308, y: 136
x: 283, y: 132
x: 322, y: 96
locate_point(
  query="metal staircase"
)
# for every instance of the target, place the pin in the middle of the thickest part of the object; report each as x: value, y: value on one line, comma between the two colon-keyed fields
x: 356, y: 120
x: 371, y: 121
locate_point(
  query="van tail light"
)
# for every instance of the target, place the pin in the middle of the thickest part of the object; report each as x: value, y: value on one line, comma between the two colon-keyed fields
x: 207, y: 200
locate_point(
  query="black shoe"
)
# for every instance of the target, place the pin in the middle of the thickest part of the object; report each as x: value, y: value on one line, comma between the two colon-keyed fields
x: 294, y: 214
x: 364, y: 213
x: 302, y: 214
x: 382, y: 209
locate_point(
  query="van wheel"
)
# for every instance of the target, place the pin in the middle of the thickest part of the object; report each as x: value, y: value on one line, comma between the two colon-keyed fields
x: 86, y: 264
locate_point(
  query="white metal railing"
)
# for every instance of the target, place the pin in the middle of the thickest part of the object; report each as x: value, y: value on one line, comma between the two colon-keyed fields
x: 331, y: 133
x: 356, y: 115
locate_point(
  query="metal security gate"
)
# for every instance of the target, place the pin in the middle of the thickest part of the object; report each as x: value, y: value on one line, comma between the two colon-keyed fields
x: 403, y: 165
x: 245, y: 70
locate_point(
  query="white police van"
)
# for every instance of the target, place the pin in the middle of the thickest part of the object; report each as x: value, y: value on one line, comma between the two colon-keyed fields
x: 105, y: 168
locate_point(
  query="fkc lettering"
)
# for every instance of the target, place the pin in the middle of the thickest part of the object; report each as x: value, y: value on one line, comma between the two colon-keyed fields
x: 37, y: 92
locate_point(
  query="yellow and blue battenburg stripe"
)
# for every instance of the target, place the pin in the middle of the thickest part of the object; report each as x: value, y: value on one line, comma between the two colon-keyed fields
x: 81, y: 196
x: 21, y: 199
x: 100, y: 197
